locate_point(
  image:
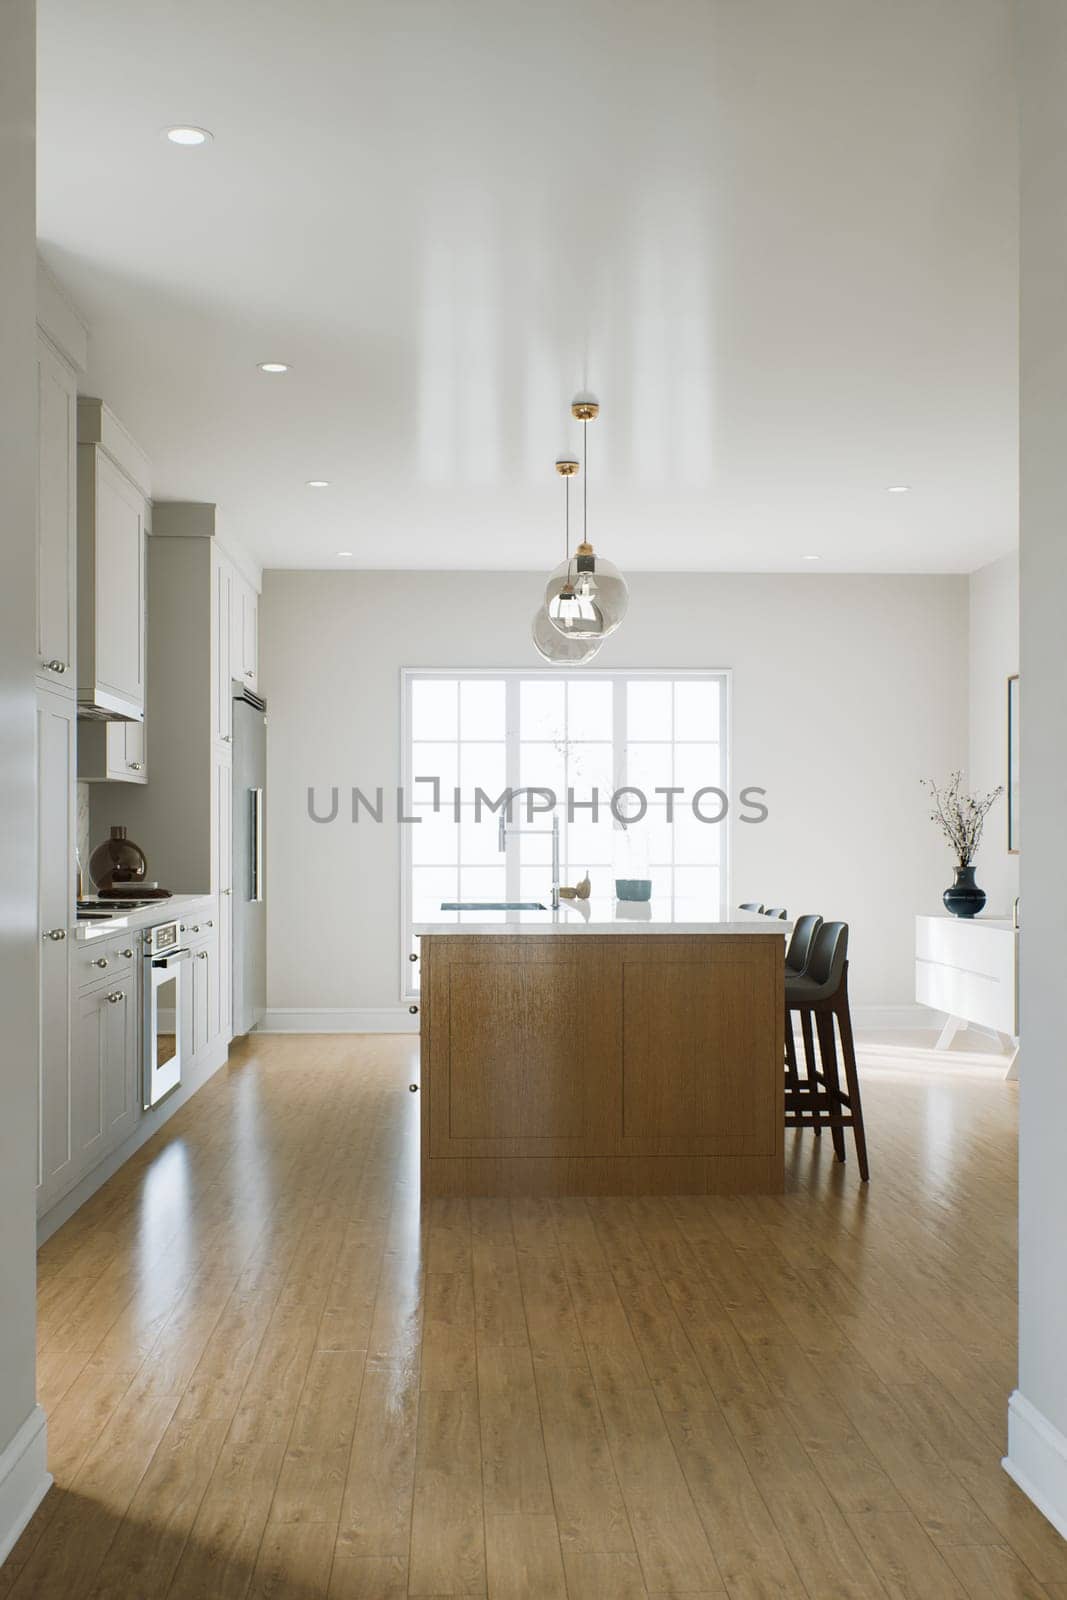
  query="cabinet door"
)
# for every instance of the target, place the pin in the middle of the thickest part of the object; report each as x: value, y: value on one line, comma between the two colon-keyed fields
x: 223, y: 603
x: 119, y: 583
x: 250, y: 635
x: 55, y: 912
x: 120, y: 1073
x: 57, y: 505
x: 223, y: 841
x: 237, y: 624
x: 224, y: 969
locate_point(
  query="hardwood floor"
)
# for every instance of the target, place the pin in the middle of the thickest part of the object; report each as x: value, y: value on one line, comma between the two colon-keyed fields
x: 268, y: 1375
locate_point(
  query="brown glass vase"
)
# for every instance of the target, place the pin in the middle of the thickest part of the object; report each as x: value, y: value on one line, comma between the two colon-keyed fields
x: 117, y: 860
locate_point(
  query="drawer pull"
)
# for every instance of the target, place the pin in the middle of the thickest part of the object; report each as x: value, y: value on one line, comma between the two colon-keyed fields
x: 101, y: 961
x: 55, y: 933
x: 56, y: 666
x: 196, y: 927
x: 135, y: 766
x: 127, y: 953
x: 115, y: 996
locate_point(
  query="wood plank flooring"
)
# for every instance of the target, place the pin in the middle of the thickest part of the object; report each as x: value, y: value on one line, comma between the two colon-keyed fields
x: 270, y: 1373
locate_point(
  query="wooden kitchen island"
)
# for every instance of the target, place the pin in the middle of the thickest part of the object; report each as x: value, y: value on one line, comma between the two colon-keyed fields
x: 569, y: 1057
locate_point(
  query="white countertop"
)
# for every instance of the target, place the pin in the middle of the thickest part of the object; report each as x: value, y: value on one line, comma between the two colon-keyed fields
x: 173, y: 909
x: 603, y: 917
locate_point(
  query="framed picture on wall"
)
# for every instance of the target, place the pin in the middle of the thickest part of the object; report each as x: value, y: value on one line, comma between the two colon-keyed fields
x: 1013, y: 765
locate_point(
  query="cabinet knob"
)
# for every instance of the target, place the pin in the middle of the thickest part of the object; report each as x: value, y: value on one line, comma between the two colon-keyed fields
x: 414, y: 1010
x: 249, y: 673
x: 413, y: 956
x: 101, y: 961
x: 201, y: 955
x: 227, y: 738
x: 55, y: 933
x: 56, y: 666
x: 225, y: 891
x: 127, y: 953
x: 135, y: 766
x: 413, y: 1088
x: 196, y: 927
x: 115, y: 996
x: 209, y: 924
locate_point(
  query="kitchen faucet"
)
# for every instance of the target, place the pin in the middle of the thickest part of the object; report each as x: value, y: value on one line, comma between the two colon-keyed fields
x: 502, y: 840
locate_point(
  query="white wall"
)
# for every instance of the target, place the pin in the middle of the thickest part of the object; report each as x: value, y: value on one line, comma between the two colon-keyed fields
x: 1038, y: 1418
x: 22, y: 1474
x: 994, y: 657
x: 846, y: 691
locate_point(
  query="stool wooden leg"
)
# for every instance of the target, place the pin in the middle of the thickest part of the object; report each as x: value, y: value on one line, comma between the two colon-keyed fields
x: 809, y: 1061
x: 824, y: 1024
x: 852, y: 1081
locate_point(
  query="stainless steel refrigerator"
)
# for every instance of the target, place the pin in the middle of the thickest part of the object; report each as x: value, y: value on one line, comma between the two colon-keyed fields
x: 249, y: 882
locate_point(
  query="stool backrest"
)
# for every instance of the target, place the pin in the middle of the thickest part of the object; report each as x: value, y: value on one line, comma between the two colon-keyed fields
x: 749, y: 905
x: 776, y: 911
x: 803, y: 937
x: 829, y: 953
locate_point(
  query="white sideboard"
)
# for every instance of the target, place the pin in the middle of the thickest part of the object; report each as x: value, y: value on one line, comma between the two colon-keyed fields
x: 968, y: 968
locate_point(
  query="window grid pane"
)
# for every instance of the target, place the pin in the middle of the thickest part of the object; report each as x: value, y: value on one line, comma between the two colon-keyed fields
x: 563, y: 732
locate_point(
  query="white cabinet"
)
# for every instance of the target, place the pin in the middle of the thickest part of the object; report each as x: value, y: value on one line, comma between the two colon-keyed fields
x: 222, y: 601
x: 111, y: 587
x: 223, y: 799
x: 57, y: 504
x: 55, y: 912
x: 112, y: 752
x: 104, y: 1101
x: 967, y: 967
x: 244, y: 632
x: 205, y: 1009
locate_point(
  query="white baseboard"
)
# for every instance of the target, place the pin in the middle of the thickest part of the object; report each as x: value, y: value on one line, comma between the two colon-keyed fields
x: 365, y: 1019
x: 1037, y: 1460
x: 24, y: 1478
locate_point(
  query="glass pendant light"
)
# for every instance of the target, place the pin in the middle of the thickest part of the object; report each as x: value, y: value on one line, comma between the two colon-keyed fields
x: 552, y: 645
x: 586, y: 597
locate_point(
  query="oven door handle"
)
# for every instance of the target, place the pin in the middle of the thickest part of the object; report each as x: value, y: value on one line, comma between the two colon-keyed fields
x: 171, y: 959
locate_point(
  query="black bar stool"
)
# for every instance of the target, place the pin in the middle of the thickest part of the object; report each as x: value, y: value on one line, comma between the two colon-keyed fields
x: 776, y: 911
x: 821, y: 992
x: 749, y: 905
x: 797, y: 957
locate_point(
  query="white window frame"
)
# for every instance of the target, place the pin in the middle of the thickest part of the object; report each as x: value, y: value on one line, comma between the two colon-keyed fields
x: 513, y: 676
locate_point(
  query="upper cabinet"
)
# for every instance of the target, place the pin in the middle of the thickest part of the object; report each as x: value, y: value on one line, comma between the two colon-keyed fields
x: 56, y: 516
x: 244, y: 632
x: 112, y: 523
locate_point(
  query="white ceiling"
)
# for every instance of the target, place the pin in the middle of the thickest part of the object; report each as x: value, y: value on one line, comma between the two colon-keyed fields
x: 777, y: 238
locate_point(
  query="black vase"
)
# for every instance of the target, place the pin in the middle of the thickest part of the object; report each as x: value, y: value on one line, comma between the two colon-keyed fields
x: 964, y: 899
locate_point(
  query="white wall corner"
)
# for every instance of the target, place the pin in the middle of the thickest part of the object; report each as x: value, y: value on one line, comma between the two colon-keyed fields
x: 24, y: 1478
x: 364, y: 1019
x: 1037, y: 1460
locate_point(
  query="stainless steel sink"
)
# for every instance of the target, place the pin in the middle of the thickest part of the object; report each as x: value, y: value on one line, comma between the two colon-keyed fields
x: 491, y: 905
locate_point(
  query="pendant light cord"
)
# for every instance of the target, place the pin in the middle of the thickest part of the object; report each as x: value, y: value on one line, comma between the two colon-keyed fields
x: 567, y: 514
x: 585, y: 482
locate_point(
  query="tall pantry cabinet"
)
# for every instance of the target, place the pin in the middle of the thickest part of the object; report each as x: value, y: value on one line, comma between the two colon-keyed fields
x: 61, y: 354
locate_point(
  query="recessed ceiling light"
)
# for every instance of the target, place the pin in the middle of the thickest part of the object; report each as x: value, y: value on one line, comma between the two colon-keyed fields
x: 273, y: 366
x: 899, y: 488
x: 188, y: 135
x: 318, y: 483
x: 344, y: 552
x: 812, y: 558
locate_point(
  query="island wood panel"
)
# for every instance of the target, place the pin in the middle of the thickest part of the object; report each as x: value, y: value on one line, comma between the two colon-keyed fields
x: 697, y: 1035
x: 615, y: 1065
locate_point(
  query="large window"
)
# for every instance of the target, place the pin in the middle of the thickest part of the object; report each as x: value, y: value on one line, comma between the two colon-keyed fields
x: 571, y: 734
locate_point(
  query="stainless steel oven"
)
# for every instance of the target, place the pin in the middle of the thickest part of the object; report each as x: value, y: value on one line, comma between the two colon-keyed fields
x: 164, y: 1045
